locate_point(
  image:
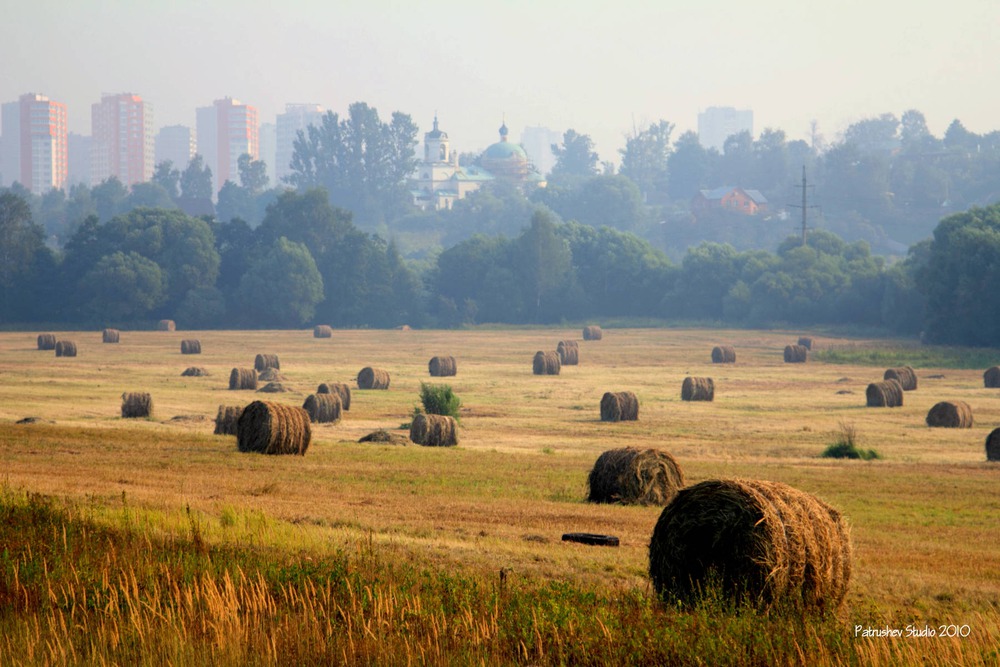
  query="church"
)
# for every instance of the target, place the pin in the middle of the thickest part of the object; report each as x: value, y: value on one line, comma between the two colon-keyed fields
x: 440, y: 180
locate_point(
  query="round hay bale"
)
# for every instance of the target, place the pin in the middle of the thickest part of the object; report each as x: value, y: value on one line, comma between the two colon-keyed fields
x: 796, y: 354
x: 993, y: 445
x: 440, y: 367
x: 243, y: 378
x: 111, y: 336
x: 323, y: 408
x: 190, y: 346
x: 906, y: 377
x: 592, y: 332
x: 723, y: 354
x: 950, y: 414
x: 569, y: 352
x: 264, y: 361
x: 274, y: 388
x: 339, y: 388
x: 434, y: 430
x: 136, y: 404
x: 373, y: 378
x: 991, y: 378
x: 806, y: 342
x: 46, y: 341
x: 885, y: 394
x: 166, y: 325
x: 194, y: 372
x: 758, y: 541
x: 697, y: 389
x: 270, y: 375
x: 546, y: 363
x: 383, y: 436
x: 322, y: 331
x: 65, y: 348
x: 273, y: 428
x: 633, y: 476
x: 619, y: 406
x: 227, y: 418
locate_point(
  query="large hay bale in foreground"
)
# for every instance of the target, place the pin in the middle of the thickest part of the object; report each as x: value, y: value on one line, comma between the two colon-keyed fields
x: 110, y: 336
x: 950, y: 414
x: 991, y: 378
x: 796, y: 354
x: 322, y: 331
x: 592, y: 332
x: 905, y: 375
x: 440, y: 367
x: 546, y: 363
x: 136, y: 404
x: 885, y: 394
x: 633, y: 476
x: 341, y: 389
x: 166, y: 325
x: 46, y: 341
x: 227, y: 418
x: 65, y: 348
x: 190, y: 346
x: 264, y: 361
x: 569, y: 352
x: 759, y: 542
x: 323, y: 408
x: 697, y: 389
x: 373, y: 378
x: 619, y: 406
x: 993, y: 445
x: 434, y: 430
x: 273, y: 428
x: 723, y: 354
x: 243, y: 378
x: 806, y: 342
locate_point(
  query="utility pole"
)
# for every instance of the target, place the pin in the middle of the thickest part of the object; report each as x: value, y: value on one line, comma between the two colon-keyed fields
x: 804, y: 206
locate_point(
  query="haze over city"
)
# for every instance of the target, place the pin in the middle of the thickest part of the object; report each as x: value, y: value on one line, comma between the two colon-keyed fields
x: 600, y: 68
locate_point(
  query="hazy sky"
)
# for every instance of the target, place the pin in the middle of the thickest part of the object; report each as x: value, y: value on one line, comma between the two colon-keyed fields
x: 601, y: 68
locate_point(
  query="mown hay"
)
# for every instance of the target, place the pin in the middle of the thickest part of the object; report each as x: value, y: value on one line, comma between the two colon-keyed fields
x: 993, y: 445
x: 339, y: 388
x: 950, y: 414
x: 322, y: 331
x: 434, y: 430
x: 885, y: 394
x: 546, y: 363
x: 569, y: 352
x: 757, y: 541
x: 991, y: 378
x: 264, y: 361
x: 723, y: 354
x: 906, y: 377
x: 46, y: 341
x: 592, y: 332
x: 633, y: 476
x: 166, y: 325
x: 697, y: 389
x: 190, y: 346
x: 111, y: 336
x: 274, y: 388
x: 619, y: 406
x: 323, y: 408
x: 440, y: 367
x: 243, y: 378
x: 806, y: 342
x: 384, y: 436
x: 65, y: 348
x: 136, y: 404
x: 373, y: 378
x: 796, y: 354
x: 273, y: 428
x: 270, y: 375
x: 194, y: 372
x: 227, y: 418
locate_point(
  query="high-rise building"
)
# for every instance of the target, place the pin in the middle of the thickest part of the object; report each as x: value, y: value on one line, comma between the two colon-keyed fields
x: 34, y: 147
x: 297, y: 117
x: 79, y: 159
x: 175, y: 143
x: 227, y: 130
x: 537, y: 142
x: 121, y: 139
x: 716, y: 124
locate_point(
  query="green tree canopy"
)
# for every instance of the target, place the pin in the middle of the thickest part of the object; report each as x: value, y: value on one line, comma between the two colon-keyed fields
x: 282, y: 288
x: 576, y: 157
x: 122, y: 287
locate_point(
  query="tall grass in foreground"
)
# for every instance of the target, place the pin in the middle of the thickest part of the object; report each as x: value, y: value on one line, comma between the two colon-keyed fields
x: 75, y: 591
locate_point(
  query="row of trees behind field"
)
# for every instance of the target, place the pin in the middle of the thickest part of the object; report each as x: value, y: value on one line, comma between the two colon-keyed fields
x: 308, y: 263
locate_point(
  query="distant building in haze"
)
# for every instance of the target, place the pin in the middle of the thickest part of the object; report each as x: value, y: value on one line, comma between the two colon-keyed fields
x: 79, y: 159
x: 121, y: 139
x: 716, y: 124
x: 35, y: 151
x: 227, y: 130
x: 297, y: 117
x: 739, y: 200
x: 177, y: 144
x: 537, y: 142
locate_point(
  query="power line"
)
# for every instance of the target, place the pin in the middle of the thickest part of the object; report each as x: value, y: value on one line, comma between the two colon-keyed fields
x: 804, y: 205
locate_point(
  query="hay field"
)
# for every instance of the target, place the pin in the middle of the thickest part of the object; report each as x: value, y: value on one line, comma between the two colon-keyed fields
x: 925, y: 519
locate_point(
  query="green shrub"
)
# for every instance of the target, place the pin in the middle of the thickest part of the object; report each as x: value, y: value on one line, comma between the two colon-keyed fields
x: 439, y: 399
x: 847, y: 446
